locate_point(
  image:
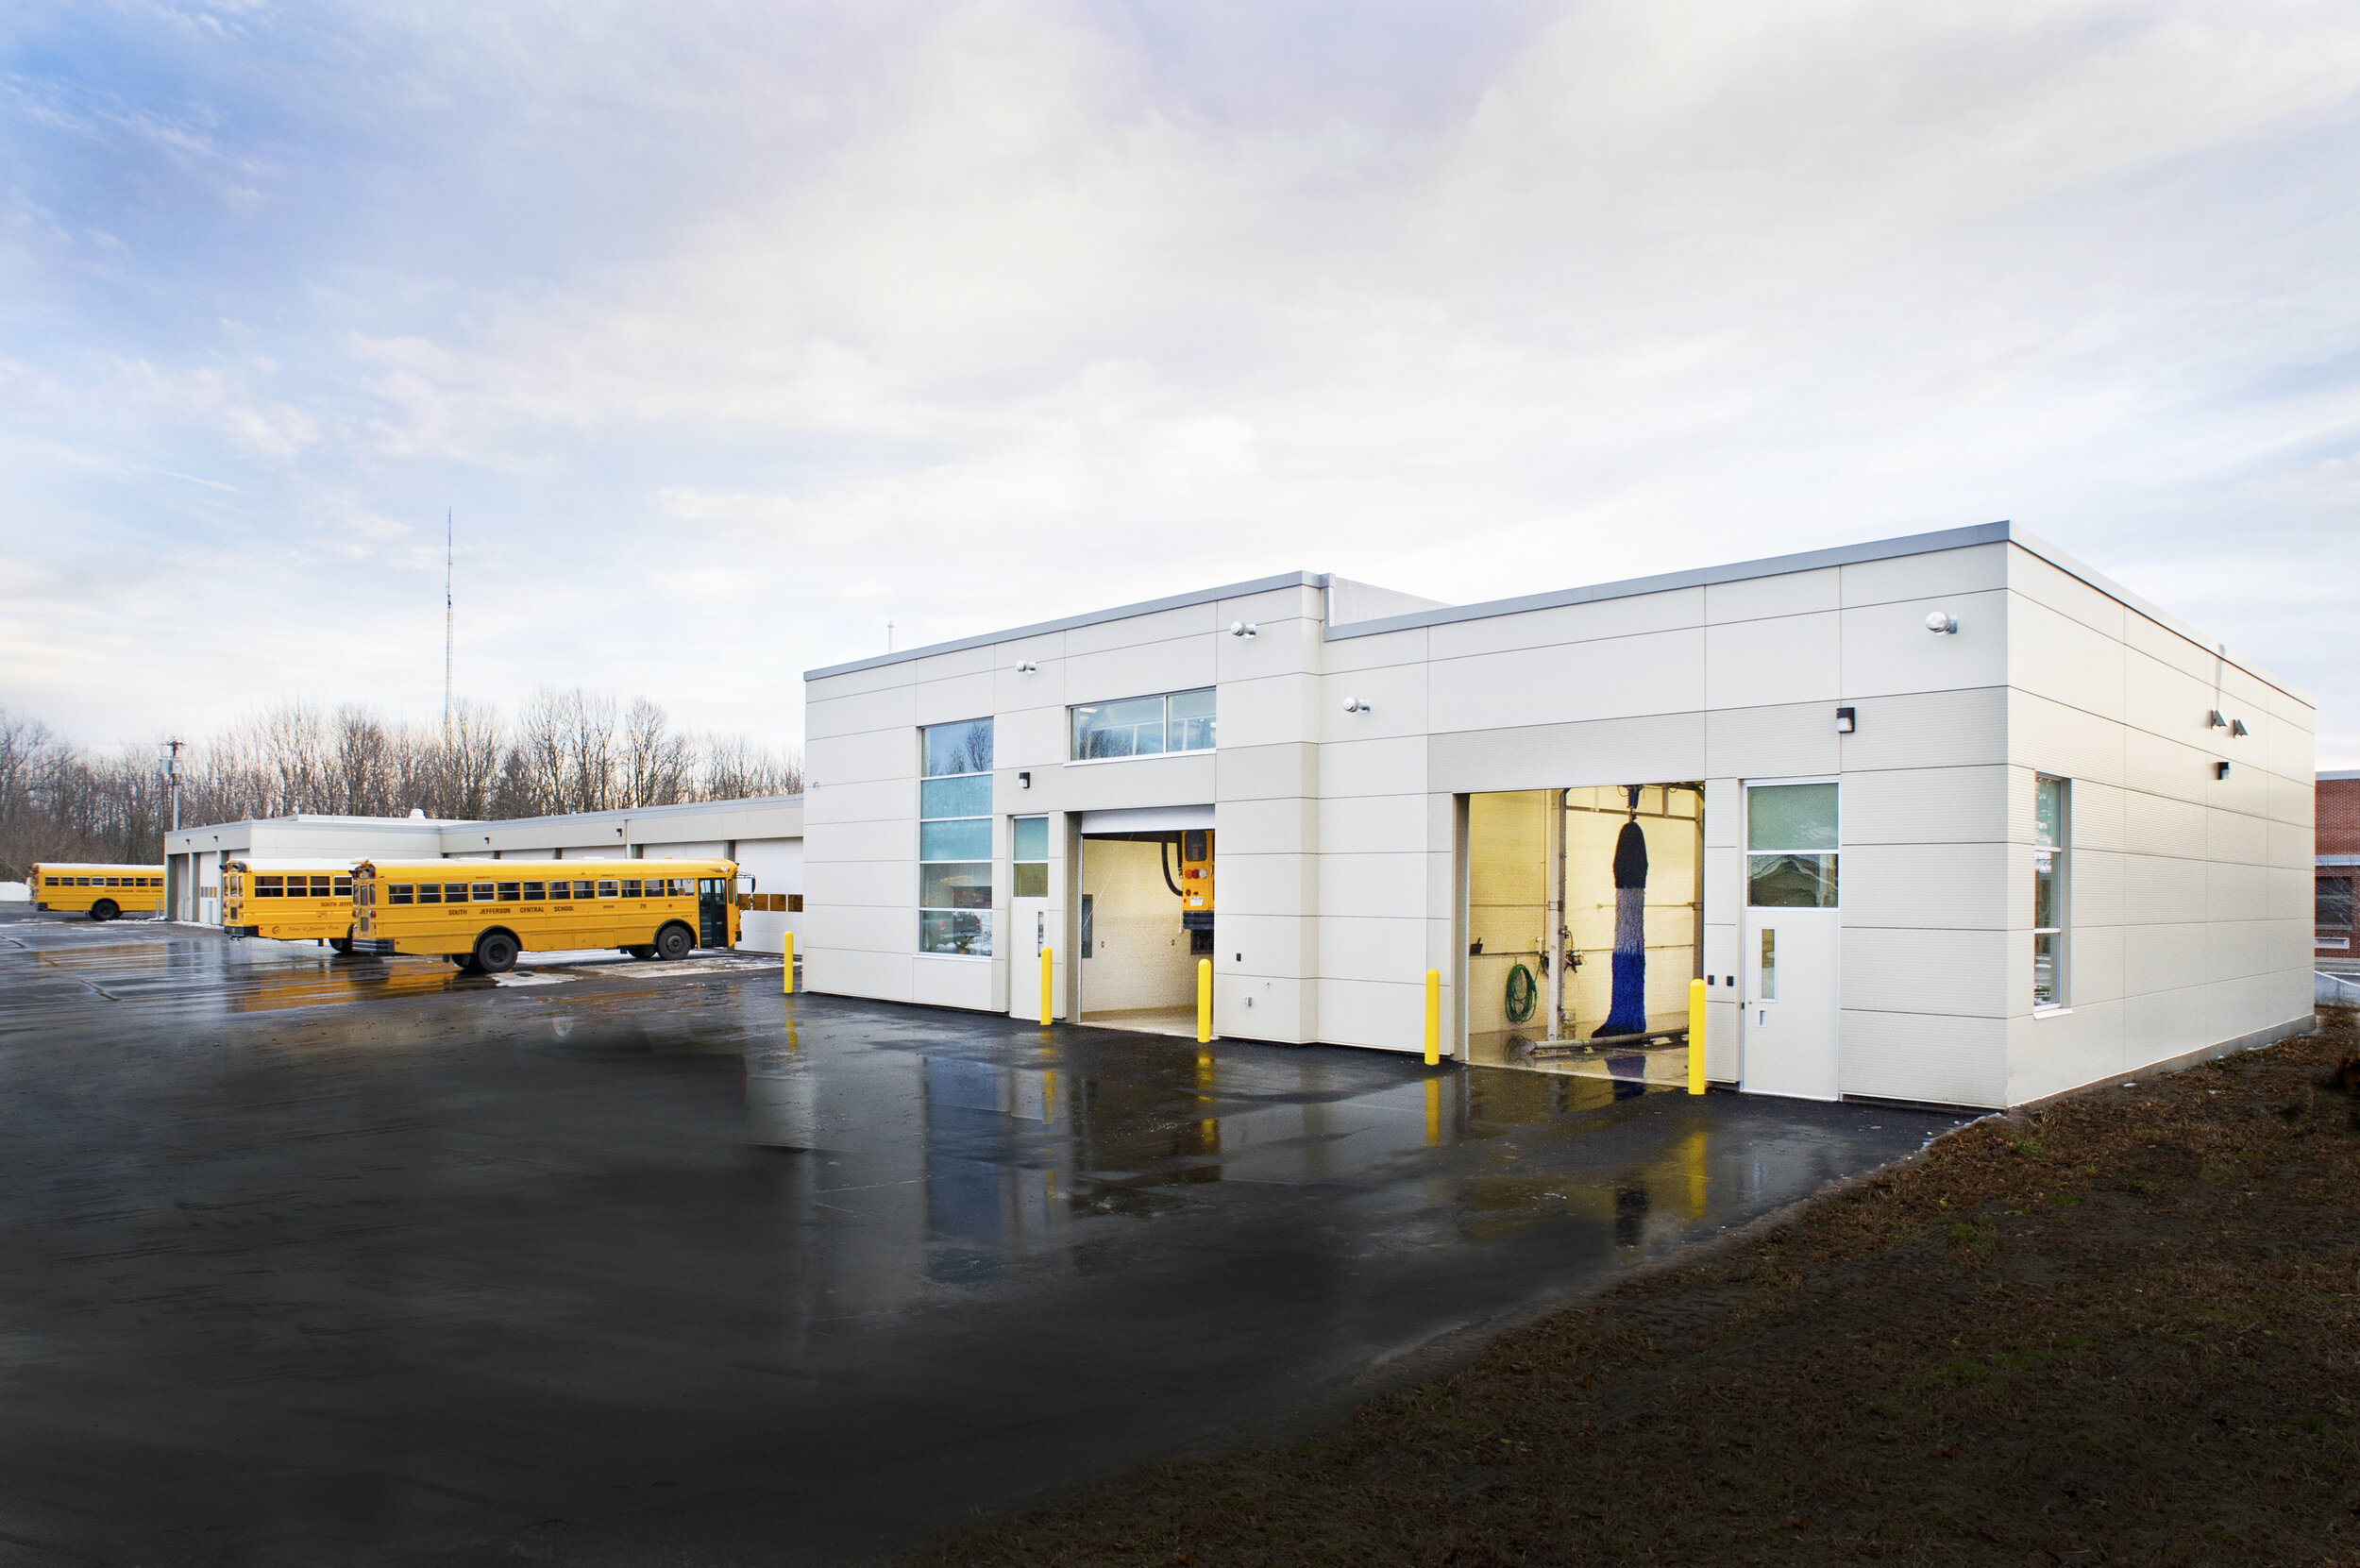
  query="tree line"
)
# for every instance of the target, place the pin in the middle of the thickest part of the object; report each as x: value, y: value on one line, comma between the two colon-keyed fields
x: 565, y: 752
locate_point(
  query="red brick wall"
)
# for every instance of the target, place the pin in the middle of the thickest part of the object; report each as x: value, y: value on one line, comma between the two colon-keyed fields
x: 2337, y: 804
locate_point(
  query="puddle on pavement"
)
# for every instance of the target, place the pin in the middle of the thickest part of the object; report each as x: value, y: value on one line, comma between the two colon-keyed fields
x: 978, y: 1162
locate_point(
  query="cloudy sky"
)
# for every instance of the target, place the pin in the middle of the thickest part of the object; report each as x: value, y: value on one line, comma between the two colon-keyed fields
x: 730, y: 332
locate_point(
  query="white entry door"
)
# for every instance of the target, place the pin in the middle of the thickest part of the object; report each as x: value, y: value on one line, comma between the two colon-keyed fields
x: 1790, y: 943
x: 1028, y: 933
x: 1789, y: 975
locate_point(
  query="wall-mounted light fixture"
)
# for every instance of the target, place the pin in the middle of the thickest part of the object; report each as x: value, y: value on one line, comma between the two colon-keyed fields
x: 2215, y: 721
x: 1845, y: 722
x: 1023, y: 781
x: 2236, y: 727
x: 1359, y: 706
x: 2221, y: 770
x: 1942, y: 623
x: 1244, y: 629
x: 1027, y: 667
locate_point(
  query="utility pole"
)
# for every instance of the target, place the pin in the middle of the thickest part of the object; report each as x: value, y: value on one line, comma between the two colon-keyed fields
x: 172, y: 778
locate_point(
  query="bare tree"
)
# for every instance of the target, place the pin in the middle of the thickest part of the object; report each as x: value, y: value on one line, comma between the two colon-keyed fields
x: 732, y: 768
x: 468, y: 760
x: 362, y: 786
x: 656, y: 762
x: 569, y: 754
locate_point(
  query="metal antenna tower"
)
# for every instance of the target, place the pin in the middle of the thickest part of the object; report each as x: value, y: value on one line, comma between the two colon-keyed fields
x: 449, y: 622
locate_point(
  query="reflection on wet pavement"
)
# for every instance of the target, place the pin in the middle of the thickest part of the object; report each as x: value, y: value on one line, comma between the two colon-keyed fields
x: 319, y: 1262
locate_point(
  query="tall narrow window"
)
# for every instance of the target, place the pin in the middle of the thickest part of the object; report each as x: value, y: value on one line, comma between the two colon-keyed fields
x: 1791, y: 845
x: 1031, y: 857
x: 2052, y: 832
x: 954, y: 838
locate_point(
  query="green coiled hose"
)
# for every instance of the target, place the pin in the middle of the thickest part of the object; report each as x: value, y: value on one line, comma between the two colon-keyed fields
x: 1523, y: 991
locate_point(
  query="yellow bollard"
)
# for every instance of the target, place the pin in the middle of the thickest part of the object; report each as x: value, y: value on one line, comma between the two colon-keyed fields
x: 1203, y: 1001
x: 1048, y: 985
x: 1434, y: 1017
x: 1695, y: 1036
x: 790, y: 963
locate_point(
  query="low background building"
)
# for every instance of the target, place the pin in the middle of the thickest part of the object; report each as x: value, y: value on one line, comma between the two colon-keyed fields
x: 2337, y: 864
x: 763, y: 836
x: 1947, y: 818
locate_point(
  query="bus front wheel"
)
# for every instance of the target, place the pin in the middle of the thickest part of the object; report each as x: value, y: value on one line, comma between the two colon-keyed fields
x: 105, y: 909
x: 673, y: 943
x: 495, y: 953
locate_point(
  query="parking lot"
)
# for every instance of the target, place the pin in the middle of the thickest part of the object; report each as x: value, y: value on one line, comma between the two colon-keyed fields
x: 312, y: 1260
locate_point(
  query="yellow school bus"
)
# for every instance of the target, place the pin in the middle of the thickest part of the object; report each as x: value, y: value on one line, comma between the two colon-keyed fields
x: 481, y: 913
x: 290, y: 901
x: 101, y: 892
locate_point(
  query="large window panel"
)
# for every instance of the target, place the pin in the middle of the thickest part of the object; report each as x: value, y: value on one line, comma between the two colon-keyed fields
x: 961, y: 748
x: 1189, y: 725
x: 1129, y: 728
x: 1143, y: 726
x: 955, y: 883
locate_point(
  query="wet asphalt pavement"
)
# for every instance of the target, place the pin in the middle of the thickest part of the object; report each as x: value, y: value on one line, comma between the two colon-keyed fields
x: 307, y: 1260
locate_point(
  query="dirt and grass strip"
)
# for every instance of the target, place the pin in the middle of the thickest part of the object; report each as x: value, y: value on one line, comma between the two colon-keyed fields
x: 2122, y: 1328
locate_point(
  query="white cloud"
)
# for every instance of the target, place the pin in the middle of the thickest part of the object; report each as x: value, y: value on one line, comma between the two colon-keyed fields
x: 967, y: 315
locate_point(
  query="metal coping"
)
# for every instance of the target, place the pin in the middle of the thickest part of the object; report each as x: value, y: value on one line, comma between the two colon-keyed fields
x: 1773, y: 565
x: 2339, y: 773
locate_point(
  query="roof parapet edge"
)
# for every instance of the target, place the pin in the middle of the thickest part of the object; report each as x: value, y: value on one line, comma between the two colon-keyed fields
x: 1067, y: 623
x: 1839, y: 555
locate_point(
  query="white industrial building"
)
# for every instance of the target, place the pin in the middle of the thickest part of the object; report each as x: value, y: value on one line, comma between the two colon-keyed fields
x: 1948, y: 819
x: 764, y: 836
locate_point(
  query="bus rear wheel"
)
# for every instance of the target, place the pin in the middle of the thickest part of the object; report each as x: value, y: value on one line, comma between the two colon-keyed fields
x: 342, y: 944
x: 495, y: 953
x: 641, y: 950
x: 674, y: 943
x: 105, y: 909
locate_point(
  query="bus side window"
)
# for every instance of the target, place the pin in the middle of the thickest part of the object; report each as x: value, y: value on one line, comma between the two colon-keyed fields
x: 508, y: 892
x: 485, y: 892
x: 534, y: 892
x: 683, y: 888
x: 631, y: 887
x: 343, y: 888
x: 584, y: 890
x: 429, y: 892
x: 561, y: 889
x: 269, y: 887
x: 398, y: 892
x: 456, y: 892
x: 607, y: 889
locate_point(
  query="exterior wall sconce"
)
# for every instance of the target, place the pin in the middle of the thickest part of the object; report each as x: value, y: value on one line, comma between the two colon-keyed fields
x: 1845, y: 722
x: 2236, y: 727
x: 2221, y: 770
x: 1027, y: 667
x: 1359, y: 706
x: 1244, y: 629
x: 1023, y: 781
x: 2214, y: 722
x: 1942, y: 623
